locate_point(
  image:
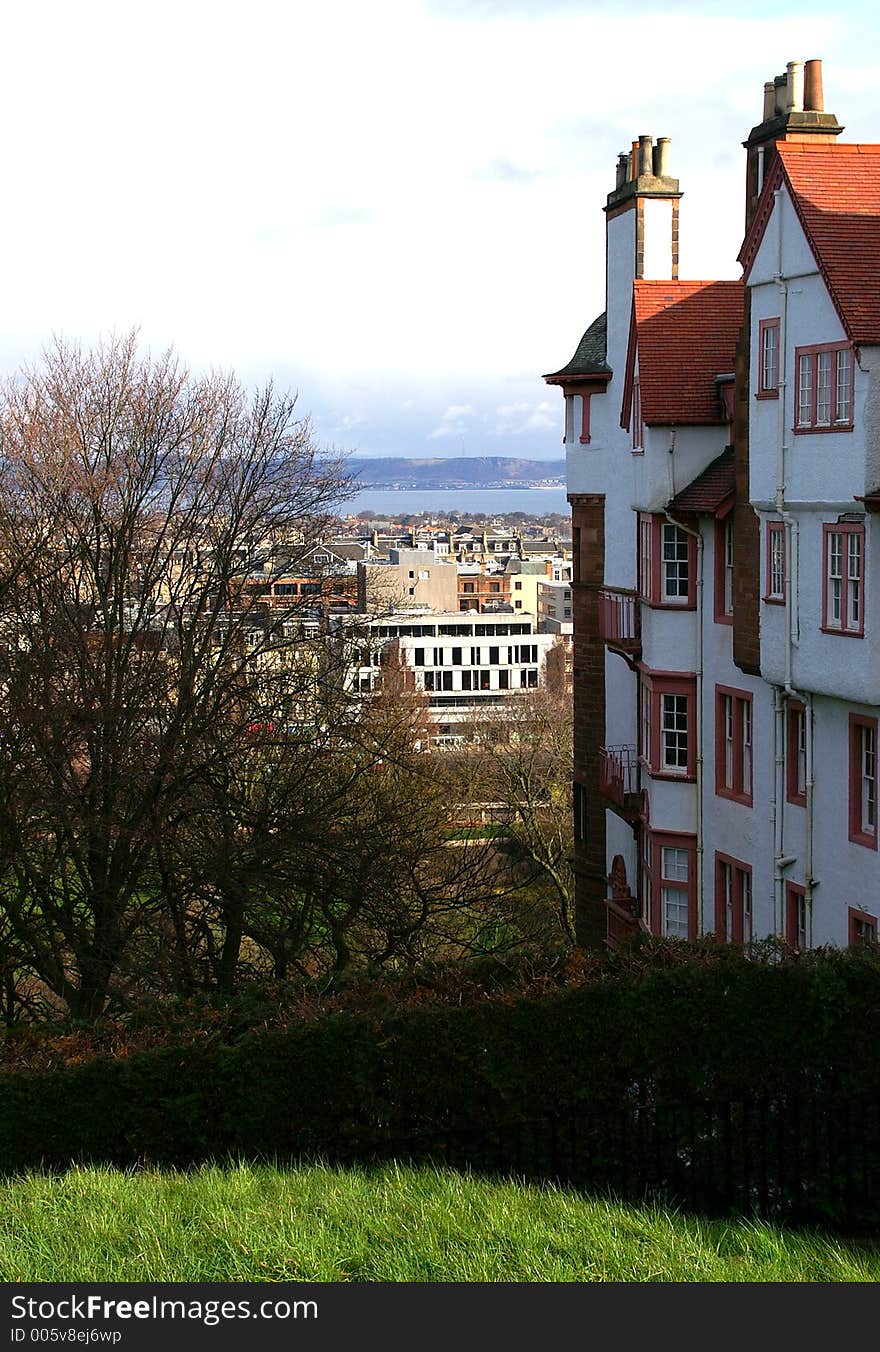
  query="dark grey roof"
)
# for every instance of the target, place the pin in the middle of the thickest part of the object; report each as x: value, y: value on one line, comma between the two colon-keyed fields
x: 589, y: 356
x: 347, y: 549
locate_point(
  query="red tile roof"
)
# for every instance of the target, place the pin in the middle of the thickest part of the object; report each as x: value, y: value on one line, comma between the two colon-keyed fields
x: 836, y: 193
x: 710, y: 490
x: 686, y: 334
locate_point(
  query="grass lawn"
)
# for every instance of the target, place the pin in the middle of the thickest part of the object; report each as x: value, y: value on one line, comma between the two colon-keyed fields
x: 257, y: 1223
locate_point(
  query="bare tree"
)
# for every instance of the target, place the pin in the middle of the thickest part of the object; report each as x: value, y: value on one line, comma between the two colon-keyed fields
x: 523, y: 765
x: 135, y: 501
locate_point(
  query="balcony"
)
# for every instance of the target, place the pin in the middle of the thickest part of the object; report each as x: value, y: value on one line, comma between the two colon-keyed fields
x: 619, y: 779
x: 619, y: 617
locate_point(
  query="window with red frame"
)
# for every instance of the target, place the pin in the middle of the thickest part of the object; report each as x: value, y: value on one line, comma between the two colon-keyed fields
x: 823, y: 387
x: 843, y: 602
x: 638, y: 427
x: 862, y: 927
x: 724, y: 571
x: 796, y: 753
x: 733, y: 899
x: 733, y: 744
x: 667, y: 708
x: 667, y: 564
x: 669, y: 885
x: 863, y: 780
x: 768, y: 369
x: 795, y: 916
x: 774, y: 580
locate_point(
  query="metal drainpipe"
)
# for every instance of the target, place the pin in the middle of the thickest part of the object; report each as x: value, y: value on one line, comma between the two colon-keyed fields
x: 792, y: 611
x: 699, y: 675
x: 777, y: 805
x: 809, y: 881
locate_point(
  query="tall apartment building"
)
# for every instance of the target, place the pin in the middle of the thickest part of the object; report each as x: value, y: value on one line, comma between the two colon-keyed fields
x: 723, y: 461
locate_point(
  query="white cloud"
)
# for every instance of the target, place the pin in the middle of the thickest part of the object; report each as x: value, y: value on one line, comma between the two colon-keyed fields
x: 521, y: 416
x: 391, y: 196
x: 454, y: 422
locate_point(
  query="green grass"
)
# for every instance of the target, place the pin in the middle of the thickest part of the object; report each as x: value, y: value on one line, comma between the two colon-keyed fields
x: 257, y: 1223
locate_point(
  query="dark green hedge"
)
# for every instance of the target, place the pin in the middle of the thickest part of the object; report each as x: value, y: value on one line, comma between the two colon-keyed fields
x: 349, y: 1084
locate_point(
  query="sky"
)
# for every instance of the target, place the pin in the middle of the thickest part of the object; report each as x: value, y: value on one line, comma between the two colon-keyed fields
x: 393, y: 209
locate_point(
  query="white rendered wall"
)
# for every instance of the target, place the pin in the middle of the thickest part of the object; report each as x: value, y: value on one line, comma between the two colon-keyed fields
x: 733, y: 828
x: 657, y: 257
x: 659, y: 475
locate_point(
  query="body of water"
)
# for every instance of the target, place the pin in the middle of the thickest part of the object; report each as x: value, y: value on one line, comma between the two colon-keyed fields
x: 392, y: 502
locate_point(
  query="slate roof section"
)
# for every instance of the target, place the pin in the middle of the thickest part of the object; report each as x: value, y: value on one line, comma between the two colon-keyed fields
x: 706, y: 494
x: 589, y: 357
x: 836, y: 193
x: 686, y: 334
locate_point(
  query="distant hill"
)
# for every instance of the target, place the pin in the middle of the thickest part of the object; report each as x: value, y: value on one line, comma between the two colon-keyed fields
x: 489, y: 471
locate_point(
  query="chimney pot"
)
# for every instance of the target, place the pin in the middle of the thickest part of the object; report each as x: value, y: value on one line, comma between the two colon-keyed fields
x: 769, y: 100
x: 646, y: 158
x: 661, y: 157
x: 622, y: 169
x: 634, y: 160
x: 814, y: 98
x: 795, y: 71
x: 780, y: 82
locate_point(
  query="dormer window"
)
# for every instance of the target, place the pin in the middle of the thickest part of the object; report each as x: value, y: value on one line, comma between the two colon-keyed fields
x: 824, y: 391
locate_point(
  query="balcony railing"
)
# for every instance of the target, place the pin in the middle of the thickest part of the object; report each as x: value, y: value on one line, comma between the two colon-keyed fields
x: 619, y: 774
x: 619, y: 619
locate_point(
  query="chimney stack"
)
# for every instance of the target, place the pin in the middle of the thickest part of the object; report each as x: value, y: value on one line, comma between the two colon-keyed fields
x: 814, y: 98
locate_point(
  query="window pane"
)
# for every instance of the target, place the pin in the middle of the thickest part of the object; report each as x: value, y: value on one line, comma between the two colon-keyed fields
x: 675, y: 563
x: 777, y: 562
x: 869, y: 779
x: 675, y: 912
x: 823, y: 389
x: 769, y: 358
x: 843, y: 396
x: 805, y: 391
x: 674, y: 732
x: 674, y: 863
x: 747, y: 746
x: 854, y: 580
x: 746, y: 887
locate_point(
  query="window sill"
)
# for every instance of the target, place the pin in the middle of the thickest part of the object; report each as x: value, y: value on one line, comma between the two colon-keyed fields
x: 745, y: 799
x: 796, y: 799
x: 842, y: 633
x: 820, y: 431
x: 773, y: 600
x: 862, y: 838
x: 669, y: 605
x: 723, y: 619
x: 669, y: 775
x: 767, y: 394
